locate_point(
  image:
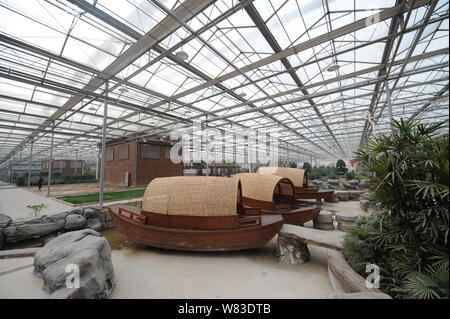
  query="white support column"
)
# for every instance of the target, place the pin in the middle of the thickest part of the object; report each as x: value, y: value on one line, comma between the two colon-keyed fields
x: 29, y: 163
x: 50, y: 162
x: 76, y: 161
x: 103, y: 161
x: 249, y: 155
x: 207, y: 147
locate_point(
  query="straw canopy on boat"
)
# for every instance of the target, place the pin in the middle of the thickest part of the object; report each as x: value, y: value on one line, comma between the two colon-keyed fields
x: 192, y: 196
x: 262, y: 187
x: 297, y: 176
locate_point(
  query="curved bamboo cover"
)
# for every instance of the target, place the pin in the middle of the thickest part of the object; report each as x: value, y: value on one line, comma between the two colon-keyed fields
x: 296, y: 175
x: 262, y: 186
x: 191, y: 196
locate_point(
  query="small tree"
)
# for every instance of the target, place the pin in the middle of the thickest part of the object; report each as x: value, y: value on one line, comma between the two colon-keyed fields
x: 307, y: 167
x: 36, y: 209
x: 341, y: 167
x: 292, y: 165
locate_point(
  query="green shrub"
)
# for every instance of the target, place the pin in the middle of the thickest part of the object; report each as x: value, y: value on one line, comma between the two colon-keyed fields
x: 350, y: 175
x: 410, y: 187
x: 20, y: 181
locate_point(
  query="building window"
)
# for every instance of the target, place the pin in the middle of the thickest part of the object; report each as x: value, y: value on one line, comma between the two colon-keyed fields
x: 122, y: 152
x: 109, y: 154
x: 74, y: 164
x: 150, y: 151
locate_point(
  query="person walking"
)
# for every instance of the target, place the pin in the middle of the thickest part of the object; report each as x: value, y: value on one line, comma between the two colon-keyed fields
x: 40, y: 182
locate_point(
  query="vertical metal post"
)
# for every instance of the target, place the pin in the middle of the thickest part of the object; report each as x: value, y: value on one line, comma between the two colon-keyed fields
x: 102, y: 165
x: 97, y: 166
x: 76, y: 161
x: 207, y: 148
x: 29, y: 163
x: 388, y: 100
x: 249, y: 156
x: 50, y: 162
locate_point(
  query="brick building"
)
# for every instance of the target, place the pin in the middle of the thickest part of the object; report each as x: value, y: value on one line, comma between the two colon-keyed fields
x: 137, y: 163
x: 65, y: 167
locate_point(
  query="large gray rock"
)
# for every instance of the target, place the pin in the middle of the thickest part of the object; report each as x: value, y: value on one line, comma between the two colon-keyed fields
x: 333, y: 182
x: 364, y: 204
x: 364, y: 183
x: 2, y: 239
x: 91, y: 212
x: 74, y: 222
x: 95, y: 224
x: 324, y: 220
x: 86, y: 249
x: 34, y: 227
x: 5, y: 220
x: 349, y: 186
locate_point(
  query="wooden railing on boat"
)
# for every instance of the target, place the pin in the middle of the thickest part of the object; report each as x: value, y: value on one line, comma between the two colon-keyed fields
x: 249, y: 221
x: 136, y: 217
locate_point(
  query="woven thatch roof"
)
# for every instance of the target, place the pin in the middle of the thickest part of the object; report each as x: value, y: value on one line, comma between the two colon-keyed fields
x: 192, y: 196
x: 262, y: 186
x: 297, y: 176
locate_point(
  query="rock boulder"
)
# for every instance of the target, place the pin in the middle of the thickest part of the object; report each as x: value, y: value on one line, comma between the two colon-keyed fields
x: 5, y: 220
x: 2, y: 239
x: 85, y: 250
x: 74, y: 222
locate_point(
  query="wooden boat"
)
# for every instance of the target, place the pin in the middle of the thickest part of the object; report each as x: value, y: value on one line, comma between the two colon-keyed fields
x: 195, y: 214
x: 270, y: 194
x: 300, y: 180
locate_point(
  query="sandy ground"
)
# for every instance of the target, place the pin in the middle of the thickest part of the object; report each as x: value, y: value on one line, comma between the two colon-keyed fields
x: 156, y: 273
x: 14, y: 201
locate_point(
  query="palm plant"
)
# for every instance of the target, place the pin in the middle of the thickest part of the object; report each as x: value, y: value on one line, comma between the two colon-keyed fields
x: 410, y: 186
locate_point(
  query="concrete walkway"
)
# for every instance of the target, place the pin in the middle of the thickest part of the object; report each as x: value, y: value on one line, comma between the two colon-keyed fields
x: 156, y: 273
x: 18, y: 281
x: 14, y: 201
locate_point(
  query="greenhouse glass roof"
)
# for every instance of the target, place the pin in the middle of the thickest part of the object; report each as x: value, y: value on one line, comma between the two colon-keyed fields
x: 325, y: 73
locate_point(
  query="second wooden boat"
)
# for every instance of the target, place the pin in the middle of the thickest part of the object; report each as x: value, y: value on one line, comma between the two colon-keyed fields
x: 270, y: 194
x: 299, y: 179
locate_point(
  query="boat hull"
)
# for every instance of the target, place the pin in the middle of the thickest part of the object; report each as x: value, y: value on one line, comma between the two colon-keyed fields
x: 314, y: 195
x: 297, y: 216
x: 198, y: 240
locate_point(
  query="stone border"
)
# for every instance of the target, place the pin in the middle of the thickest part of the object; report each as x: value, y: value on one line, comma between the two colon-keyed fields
x: 347, y: 283
x: 15, y: 253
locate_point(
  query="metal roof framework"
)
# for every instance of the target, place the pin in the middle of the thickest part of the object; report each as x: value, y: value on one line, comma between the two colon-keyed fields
x: 252, y: 64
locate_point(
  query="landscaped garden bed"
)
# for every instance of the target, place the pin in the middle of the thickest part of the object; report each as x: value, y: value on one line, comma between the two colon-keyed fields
x: 94, y: 197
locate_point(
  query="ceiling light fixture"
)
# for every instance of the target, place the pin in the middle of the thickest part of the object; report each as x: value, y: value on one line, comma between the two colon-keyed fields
x: 334, y: 66
x: 181, y: 55
x: 123, y: 89
x: 242, y: 94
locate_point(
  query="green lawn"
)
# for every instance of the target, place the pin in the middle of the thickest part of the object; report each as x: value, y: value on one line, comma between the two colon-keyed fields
x: 88, y: 198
